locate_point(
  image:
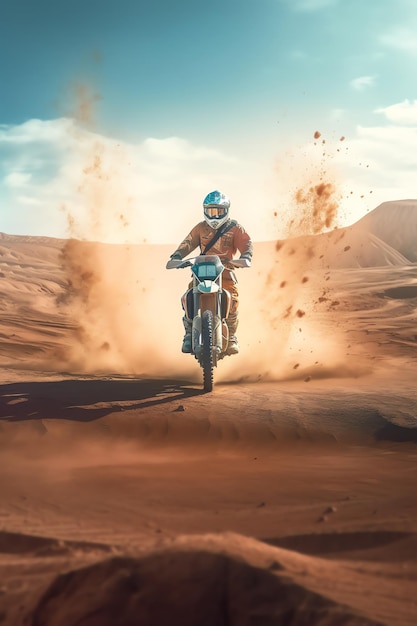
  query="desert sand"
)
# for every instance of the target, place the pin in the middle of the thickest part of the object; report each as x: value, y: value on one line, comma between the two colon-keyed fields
x: 286, y: 496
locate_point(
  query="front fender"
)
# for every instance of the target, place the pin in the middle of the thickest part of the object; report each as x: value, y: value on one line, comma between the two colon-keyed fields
x: 208, y: 286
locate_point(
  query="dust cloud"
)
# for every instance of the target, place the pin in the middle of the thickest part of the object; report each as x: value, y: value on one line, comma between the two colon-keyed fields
x: 112, y: 291
x: 289, y: 333
x: 84, y: 103
x: 125, y: 322
x: 127, y: 306
x: 320, y: 210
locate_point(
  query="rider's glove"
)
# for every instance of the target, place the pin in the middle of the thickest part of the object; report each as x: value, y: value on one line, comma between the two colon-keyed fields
x: 173, y: 261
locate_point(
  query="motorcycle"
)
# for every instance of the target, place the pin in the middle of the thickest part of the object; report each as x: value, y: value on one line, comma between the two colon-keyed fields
x: 207, y: 305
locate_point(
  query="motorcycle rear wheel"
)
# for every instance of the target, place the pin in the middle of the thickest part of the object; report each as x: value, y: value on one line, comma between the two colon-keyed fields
x: 207, y: 351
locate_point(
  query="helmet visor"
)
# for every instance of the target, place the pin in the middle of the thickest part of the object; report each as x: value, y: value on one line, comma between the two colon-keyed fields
x: 215, y: 211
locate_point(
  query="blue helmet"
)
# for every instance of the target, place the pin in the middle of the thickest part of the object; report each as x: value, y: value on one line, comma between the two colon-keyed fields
x: 216, y: 208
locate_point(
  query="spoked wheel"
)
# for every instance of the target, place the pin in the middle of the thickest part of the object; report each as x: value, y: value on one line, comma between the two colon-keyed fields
x: 207, y: 352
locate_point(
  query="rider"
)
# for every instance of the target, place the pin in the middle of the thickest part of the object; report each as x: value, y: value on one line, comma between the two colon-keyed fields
x: 232, y: 238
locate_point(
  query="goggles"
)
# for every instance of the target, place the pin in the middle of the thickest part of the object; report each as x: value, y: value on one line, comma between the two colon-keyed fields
x: 215, y: 211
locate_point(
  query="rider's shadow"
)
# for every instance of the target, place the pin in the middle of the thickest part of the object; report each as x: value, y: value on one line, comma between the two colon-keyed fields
x: 87, y: 399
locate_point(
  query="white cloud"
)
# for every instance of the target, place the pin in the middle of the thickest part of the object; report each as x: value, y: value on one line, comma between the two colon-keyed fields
x: 338, y: 114
x: 34, y: 130
x: 362, y: 82
x: 61, y: 180
x: 378, y: 164
x: 180, y: 149
x: 53, y: 170
x: 401, y: 113
x: 368, y: 166
x: 17, y: 179
x: 310, y: 5
x: 402, y: 39
x: 25, y: 200
x: 391, y: 149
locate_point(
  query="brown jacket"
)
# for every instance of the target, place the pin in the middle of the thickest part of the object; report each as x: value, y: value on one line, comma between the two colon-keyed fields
x: 236, y: 239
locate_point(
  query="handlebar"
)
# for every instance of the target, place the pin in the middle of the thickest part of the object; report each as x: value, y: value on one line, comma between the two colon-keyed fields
x: 181, y: 263
x: 177, y: 264
x: 240, y: 262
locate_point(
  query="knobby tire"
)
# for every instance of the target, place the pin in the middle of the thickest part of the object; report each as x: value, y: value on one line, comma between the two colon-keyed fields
x: 207, y: 353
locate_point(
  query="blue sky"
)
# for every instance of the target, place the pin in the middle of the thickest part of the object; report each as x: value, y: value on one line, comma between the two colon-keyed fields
x: 170, y: 100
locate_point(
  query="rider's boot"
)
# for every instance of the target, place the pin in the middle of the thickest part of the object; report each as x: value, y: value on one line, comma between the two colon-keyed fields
x: 232, y: 346
x: 187, y: 341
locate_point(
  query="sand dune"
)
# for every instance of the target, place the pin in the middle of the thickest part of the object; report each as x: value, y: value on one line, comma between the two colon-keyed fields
x: 386, y: 236
x: 215, y: 584
x: 287, y: 496
x: 396, y: 224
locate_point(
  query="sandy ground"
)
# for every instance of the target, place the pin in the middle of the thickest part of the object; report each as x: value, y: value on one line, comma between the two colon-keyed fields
x: 286, y: 496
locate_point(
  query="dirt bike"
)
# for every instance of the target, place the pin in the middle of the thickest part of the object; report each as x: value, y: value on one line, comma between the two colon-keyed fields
x: 207, y: 305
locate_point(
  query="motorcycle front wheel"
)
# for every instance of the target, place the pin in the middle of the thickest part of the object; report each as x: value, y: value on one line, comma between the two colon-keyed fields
x: 207, y: 351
